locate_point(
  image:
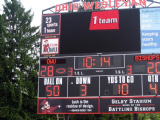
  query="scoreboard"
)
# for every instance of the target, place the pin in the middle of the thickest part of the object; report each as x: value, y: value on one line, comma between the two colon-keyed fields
x: 109, y: 82
x: 74, y: 79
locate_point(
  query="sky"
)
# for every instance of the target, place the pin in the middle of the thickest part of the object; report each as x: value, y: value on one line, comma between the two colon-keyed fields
x: 37, y: 6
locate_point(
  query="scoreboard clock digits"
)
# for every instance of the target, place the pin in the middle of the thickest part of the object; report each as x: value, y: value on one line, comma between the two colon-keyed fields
x: 100, y: 61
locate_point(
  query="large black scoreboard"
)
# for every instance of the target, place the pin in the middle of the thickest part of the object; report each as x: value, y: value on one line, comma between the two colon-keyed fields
x: 91, y: 63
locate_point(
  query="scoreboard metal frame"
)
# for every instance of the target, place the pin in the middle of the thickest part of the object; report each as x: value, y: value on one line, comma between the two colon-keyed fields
x: 95, y: 83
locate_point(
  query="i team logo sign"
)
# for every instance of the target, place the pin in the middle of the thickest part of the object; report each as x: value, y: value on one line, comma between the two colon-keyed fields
x: 50, y: 46
x: 104, y: 20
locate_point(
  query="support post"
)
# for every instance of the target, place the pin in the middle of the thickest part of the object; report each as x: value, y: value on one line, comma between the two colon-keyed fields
x: 135, y: 116
x: 66, y: 117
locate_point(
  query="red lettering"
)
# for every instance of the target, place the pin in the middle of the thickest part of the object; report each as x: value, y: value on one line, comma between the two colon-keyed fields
x: 43, y: 71
x: 140, y: 58
x: 143, y: 58
x: 136, y: 58
x: 85, y: 90
x: 104, y: 4
x: 58, y: 7
x: 142, y: 2
x: 75, y: 6
x: 51, y: 61
x: 153, y: 57
x: 64, y: 7
x: 90, y: 6
x: 97, y: 5
x: 70, y: 6
x: 125, y: 2
x: 133, y: 3
x: 117, y: 3
x: 157, y: 57
x: 110, y: 2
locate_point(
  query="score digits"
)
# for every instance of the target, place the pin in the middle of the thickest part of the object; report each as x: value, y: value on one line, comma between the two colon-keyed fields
x: 48, y: 71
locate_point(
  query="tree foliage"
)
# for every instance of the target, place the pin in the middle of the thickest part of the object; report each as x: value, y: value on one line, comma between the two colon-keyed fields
x: 18, y: 63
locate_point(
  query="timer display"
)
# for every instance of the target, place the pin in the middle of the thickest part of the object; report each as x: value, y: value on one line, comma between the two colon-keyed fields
x: 100, y: 62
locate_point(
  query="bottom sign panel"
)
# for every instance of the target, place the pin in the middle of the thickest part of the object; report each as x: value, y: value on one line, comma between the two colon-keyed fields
x: 124, y: 105
x: 68, y: 105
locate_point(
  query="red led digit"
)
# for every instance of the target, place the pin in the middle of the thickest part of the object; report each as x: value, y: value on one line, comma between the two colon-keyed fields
x: 130, y: 69
x: 153, y: 88
x: 87, y: 65
x: 85, y: 90
x: 54, y: 90
x: 50, y: 91
x: 43, y: 71
x: 101, y: 61
x: 83, y: 62
x: 119, y: 89
x: 148, y: 70
x: 70, y: 72
x: 123, y: 89
x: 52, y: 68
x: 107, y: 61
x: 156, y: 67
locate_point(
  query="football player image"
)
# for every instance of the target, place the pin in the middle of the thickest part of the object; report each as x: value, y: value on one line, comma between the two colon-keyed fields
x: 46, y: 107
x: 45, y: 46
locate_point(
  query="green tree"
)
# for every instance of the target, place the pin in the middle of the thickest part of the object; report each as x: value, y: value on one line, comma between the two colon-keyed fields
x: 19, y: 43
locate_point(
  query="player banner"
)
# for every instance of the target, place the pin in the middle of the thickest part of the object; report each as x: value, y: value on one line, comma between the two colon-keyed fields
x: 49, y: 46
x: 68, y: 105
